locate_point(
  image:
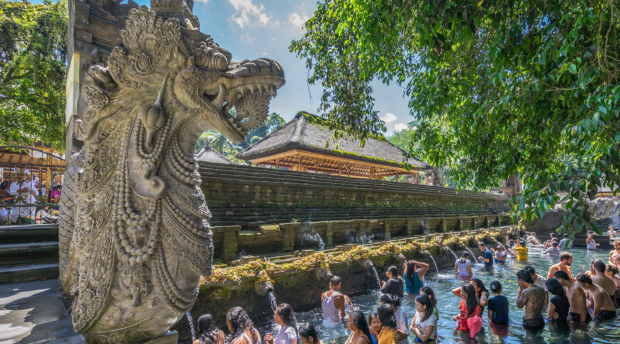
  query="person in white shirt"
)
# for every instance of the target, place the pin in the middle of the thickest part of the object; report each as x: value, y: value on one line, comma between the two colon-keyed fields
x: 401, y: 317
x: 554, y: 250
x: 462, y: 266
x: 538, y: 280
x: 24, y: 194
x: 424, y: 324
x: 285, y: 317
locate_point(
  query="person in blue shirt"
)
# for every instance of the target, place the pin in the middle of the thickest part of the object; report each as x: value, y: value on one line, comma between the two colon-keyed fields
x: 498, y: 305
x: 414, y: 273
x: 488, y: 256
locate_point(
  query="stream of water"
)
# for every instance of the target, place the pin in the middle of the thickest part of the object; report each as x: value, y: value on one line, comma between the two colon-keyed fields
x: 594, y: 332
x: 473, y: 256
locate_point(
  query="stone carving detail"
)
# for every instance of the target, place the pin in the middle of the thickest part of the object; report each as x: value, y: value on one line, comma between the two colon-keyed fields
x: 134, y: 229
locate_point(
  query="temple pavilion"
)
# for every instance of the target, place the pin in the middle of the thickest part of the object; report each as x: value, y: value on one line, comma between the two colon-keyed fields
x: 306, y: 144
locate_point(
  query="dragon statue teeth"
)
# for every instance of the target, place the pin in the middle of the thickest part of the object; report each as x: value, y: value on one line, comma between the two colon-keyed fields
x: 134, y: 231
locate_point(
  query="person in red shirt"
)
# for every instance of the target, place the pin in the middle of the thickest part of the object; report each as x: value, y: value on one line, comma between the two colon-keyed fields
x: 468, y: 307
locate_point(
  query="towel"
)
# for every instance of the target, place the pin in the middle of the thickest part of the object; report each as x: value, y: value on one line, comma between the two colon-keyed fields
x: 475, y: 325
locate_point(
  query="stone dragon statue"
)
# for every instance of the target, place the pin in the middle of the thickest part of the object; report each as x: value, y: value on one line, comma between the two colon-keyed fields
x: 134, y: 232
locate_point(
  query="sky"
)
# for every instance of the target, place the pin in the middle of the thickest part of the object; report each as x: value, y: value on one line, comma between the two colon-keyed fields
x: 250, y: 29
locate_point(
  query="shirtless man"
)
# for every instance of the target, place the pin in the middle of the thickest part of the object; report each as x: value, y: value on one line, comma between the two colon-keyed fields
x: 597, y: 298
x: 333, y: 301
x: 566, y: 259
x: 576, y: 297
x: 611, y: 232
x: 615, y: 251
x: 533, y: 298
x: 601, y: 280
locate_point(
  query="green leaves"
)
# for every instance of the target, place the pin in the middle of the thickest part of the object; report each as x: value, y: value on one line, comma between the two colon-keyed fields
x: 513, y: 86
x: 33, y: 72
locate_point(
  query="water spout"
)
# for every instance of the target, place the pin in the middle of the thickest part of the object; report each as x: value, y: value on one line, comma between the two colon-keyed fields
x: 430, y: 255
x: 322, y: 274
x: 188, y: 315
x: 473, y: 256
x: 369, y: 265
x: 272, y: 300
x: 263, y: 288
x: 450, y: 250
x: 401, y: 259
x: 376, y: 274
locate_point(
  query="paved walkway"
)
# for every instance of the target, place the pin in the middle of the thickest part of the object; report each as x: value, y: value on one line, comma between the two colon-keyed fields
x: 33, y: 312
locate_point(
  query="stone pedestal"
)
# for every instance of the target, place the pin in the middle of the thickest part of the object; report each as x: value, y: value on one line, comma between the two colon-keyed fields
x: 387, y: 230
x: 329, y: 234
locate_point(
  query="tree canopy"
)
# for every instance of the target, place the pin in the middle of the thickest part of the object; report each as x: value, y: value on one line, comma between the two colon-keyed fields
x: 222, y: 145
x: 495, y: 87
x: 33, y: 71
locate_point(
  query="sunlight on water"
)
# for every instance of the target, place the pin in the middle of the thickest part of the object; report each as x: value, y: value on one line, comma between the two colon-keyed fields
x: 594, y: 332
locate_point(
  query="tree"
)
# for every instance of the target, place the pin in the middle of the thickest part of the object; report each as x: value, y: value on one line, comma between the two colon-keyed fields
x: 273, y: 122
x: 33, y: 71
x: 495, y: 87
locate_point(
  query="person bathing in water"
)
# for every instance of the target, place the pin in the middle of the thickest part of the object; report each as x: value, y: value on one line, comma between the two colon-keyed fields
x: 401, y: 317
x: 360, y: 333
x: 599, y: 278
x: 532, y: 298
x: 498, y: 305
x: 481, y: 292
x: 462, y: 266
x: 538, y: 280
x: 615, y: 251
x: 414, y: 273
x: 566, y: 259
x: 554, y: 250
x: 590, y: 243
x: 332, y: 303
x: 521, y: 251
x: 597, y: 298
x: 499, y: 255
x: 487, y: 257
x: 468, y: 307
x: 424, y: 322
x: 394, y: 284
x: 558, y: 304
x: 576, y: 297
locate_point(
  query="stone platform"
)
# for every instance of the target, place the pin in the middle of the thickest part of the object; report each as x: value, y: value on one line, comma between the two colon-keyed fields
x: 34, y: 312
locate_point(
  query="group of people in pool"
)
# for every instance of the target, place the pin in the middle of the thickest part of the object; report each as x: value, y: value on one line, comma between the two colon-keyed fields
x: 594, y: 293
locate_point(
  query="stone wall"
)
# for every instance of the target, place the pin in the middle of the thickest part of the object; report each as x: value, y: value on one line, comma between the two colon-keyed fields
x: 261, y: 210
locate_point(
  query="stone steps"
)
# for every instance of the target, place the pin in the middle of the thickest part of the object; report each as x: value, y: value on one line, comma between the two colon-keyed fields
x: 27, y: 273
x: 28, y: 253
x: 29, y: 233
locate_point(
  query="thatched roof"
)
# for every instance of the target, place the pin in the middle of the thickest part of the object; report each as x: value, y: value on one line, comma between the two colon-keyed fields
x: 311, y: 133
x: 209, y: 154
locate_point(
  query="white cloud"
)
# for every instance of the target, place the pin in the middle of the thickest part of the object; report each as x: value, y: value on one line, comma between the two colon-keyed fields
x: 203, y: 1
x: 298, y: 19
x: 400, y: 126
x: 388, y: 118
x: 247, y: 37
x: 246, y: 11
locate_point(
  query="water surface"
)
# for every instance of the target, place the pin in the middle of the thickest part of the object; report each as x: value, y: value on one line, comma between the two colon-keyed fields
x: 446, y: 280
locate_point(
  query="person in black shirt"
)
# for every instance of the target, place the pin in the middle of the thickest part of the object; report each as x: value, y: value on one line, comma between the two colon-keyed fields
x: 395, y: 283
x: 558, y: 304
x: 498, y: 305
